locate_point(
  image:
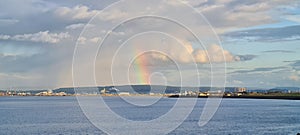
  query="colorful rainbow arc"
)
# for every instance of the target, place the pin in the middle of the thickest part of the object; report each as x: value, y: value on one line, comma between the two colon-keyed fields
x: 140, y: 66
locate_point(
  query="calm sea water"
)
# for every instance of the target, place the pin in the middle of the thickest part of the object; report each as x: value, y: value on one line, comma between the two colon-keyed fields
x: 62, y: 115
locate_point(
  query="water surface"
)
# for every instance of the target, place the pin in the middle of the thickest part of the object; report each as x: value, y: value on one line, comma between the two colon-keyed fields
x: 62, y: 115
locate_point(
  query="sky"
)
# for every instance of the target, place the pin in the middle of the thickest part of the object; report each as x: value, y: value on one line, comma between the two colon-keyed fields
x: 238, y: 43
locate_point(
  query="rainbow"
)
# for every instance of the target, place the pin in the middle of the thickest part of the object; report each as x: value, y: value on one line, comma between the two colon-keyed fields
x: 140, y: 68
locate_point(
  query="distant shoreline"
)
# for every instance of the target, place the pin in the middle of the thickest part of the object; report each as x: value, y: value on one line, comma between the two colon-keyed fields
x: 89, y: 95
x: 242, y: 97
x: 283, y: 97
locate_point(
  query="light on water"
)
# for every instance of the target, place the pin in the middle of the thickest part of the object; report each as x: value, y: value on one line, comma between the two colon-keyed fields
x: 62, y: 115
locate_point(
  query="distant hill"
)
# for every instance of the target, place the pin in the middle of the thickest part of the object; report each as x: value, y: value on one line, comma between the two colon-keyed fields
x: 142, y: 89
x: 284, y: 89
x: 25, y: 91
x: 146, y: 89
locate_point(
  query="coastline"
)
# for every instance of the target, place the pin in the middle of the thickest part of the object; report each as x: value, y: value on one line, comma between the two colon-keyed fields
x: 281, y: 97
x: 243, y: 97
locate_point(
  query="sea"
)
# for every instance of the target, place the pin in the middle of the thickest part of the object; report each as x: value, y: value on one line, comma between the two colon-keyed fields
x: 64, y: 116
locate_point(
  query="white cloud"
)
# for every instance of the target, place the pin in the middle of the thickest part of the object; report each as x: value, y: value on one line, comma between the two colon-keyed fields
x: 4, y: 37
x: 81, y: 40
x: 78, y: 26
x: 294, y: 78
x: 77, y: 12
x: 228, y: 15
x: 8, y: 21
x: 214, y: 53
x: 261, y: 6
x: 237, y: 82
x: 75, y: 26
x: 95, y: 39
x: 42, y: 36
x: 84, y: 40
x: 114, y: 14
x: 188, y: 54
x: 294, y: 18
x: 223, y: 14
